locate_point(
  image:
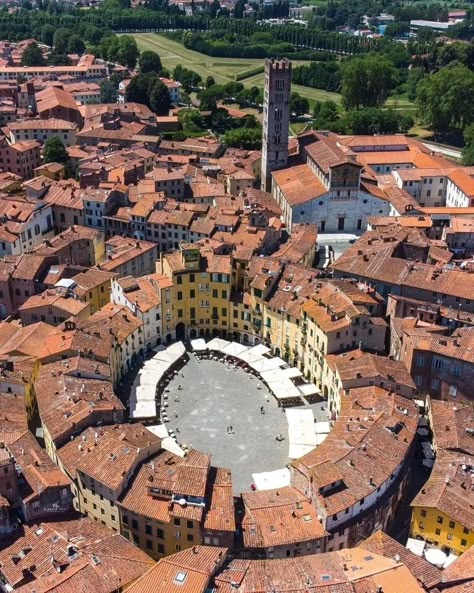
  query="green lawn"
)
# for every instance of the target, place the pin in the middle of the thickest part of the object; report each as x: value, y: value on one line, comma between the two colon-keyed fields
x: 224, y: 70
x: 172, y: 53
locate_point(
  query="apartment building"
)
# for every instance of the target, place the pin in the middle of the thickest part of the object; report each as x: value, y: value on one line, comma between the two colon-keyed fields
x: 171, y: 504
x: 357, y: 476
x: 404, y: 262
x: 149, y: 299
x: 126, y: 257
x: 280, y: 523
x: 41, y: 130
x: 442, y: 511
x: 356, y: 368
x: 20, y: 158
x: 102, y: 462
x: 201, y: 290
x: 72, y: 552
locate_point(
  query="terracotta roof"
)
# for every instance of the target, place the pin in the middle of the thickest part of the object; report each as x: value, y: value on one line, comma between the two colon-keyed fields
x: 101, y: 562
x: 368, y: 441
x: 298, y: 184
x: 382, y: 544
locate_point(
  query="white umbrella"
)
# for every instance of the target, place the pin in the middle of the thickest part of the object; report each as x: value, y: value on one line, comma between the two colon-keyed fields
x: 435, y: 556
x: 199, y: 345
x: 217, y: 344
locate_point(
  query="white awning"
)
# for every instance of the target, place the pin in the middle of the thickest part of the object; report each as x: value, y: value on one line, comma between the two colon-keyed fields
x: 322, y: 427
x: 295, y: 450
x: 234, y: 349
x: 199, y: 345
x: 416, y: 546
x: 142, y: 409
x: 301, y: 435
x: 253, y: 354
x: 435, y: 556
x: 267, y: 364
x: 308, y: 389
x: 284, y: 389
x: 217, y: 344
x: 270, y: 480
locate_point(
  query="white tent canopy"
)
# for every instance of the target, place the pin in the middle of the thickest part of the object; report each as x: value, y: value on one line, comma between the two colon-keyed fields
x: 267, y: 364
x: 234, y: 349
x: 217, y: 344
x: 270, y: 480
x: 199, y: 345
x: 283, y: 389
x: 177, y: 350
x: 322, y: 427
x: 308, y: 389
x: 301, y: 435
x: 253, y: 354
x: 435, y: 556
x: 142, y: 409
x: 416, y: 546
x: 142, y: 395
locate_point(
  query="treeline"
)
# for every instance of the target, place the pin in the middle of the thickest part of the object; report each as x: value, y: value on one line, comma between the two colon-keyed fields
x: 301, y: 37
x: 229, y: 45
x: 319, y: 75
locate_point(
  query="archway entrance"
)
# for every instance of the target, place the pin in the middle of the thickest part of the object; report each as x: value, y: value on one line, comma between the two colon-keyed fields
x: 180, y: 331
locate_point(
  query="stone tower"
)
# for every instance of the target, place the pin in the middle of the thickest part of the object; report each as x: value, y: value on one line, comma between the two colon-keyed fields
x: 276, y: 113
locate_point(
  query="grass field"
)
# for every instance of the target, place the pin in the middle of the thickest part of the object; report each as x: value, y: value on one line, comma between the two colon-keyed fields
x: 222, y: 69
x: 225, y: 69
x: 172, y: 53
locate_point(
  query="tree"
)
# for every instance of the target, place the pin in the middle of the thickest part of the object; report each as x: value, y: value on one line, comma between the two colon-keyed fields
x: 54, y: 151
x: 468, y: 150
x: 208, y: 97
x: 149, y: 61
x: 247, y: 138
x: 76, y: 45
x: 93, y: 34
x: 210, y: 81
x: 32, y: 56
x: 139, y: 88
x: 239, y: 9
x: 108, y: 91
x: 127, y: 53
x: 446, y: 98
x: 232, y: 89
x: 366, y: 82
x: 160, y: 100
x: 298, y: 105
x: 414, y: 77
x: 190, y: 120
x: 47, y: 34
x: 325, y: 115
x: 61, y: 39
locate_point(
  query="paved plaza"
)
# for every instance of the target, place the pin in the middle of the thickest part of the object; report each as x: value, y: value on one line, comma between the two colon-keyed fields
x: 214, y: 397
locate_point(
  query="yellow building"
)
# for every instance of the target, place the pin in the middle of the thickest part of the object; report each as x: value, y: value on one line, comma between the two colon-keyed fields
x: 93, y: 286
x: 174, y: 503
x: 201, y: 299
x: 442, y: 512
x: 18, y: 376
x: 101, y: 462
x: 437, y: 528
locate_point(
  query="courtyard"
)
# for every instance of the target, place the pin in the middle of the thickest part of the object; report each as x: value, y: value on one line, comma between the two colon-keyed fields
x: 212, y: 398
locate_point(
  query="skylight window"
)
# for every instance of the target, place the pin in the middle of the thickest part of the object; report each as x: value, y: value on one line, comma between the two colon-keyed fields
x: 180, y: 577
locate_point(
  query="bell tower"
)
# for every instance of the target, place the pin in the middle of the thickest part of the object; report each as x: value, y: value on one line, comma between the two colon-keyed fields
x: 276, y: 116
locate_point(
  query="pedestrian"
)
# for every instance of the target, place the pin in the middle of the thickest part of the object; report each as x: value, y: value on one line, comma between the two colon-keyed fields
x: 177, y: 430
x: 228, y: 430
x: 231, y: 430
x: 262, y: 410
x: 176, y: 414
